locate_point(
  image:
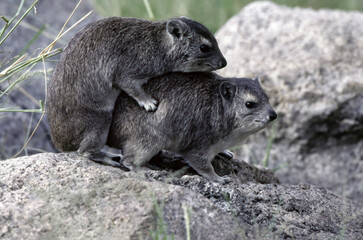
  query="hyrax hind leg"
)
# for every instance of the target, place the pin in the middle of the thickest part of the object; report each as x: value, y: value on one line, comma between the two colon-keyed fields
x: 136, y: 156
x: 203, y: 166
x: 133, y: 87
x: 94, y: 139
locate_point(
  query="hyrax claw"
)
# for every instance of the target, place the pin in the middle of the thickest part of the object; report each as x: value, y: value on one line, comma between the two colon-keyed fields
x: 101, y: 157
x: 226, y: 154
x: 225, y: 180
x: 149, y: 106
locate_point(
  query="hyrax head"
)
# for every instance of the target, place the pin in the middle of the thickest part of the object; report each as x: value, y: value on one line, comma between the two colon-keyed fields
x: 249, y: 104
x: 193, y: 47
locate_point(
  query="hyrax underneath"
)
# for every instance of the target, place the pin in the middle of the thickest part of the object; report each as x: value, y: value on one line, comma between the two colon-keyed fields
x: 199, y: 115
x: 117, y: 54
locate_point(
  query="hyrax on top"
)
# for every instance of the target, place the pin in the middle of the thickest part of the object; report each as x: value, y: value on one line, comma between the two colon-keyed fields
x: 117, y: 54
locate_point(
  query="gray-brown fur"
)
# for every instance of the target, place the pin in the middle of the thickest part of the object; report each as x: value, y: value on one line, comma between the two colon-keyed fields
x: 199, y: 115
x: 114, y: 54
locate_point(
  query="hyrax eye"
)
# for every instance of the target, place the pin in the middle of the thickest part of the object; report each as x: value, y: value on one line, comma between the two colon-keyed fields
x: 251, y: 105
x: 204, y: 48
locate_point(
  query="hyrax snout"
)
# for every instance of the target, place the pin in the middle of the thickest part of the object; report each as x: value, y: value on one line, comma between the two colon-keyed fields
x: 199, y: 115
x: 117, y: 54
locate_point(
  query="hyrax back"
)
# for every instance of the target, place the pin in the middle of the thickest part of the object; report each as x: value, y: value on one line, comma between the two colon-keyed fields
x: 116, y: 54
x: 199, y: 115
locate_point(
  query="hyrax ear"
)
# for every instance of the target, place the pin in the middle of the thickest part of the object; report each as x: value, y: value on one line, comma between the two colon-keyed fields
x: 227, y: 90
x: 176, y: 28
x: 257, y: 80
x: 184, y: 17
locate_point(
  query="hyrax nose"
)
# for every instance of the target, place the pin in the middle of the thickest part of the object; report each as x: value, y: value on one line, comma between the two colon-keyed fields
x: 272, y: 115
x: 223, y: 63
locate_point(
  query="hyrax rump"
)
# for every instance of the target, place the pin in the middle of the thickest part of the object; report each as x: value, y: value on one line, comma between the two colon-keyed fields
x: 199, y: 115
x: 116, y: 54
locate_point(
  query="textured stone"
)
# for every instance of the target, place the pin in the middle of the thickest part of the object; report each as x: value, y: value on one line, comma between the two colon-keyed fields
x: 311, y: 65
x: 64, y: 196
x: 310, y: 62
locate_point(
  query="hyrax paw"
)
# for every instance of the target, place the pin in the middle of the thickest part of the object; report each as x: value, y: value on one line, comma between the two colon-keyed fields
x: 113, y: 156
x: 107, y: 161
x: 100, y: 157
x: 149, y: 105
x: 224, y: 180
x: 226, y: 154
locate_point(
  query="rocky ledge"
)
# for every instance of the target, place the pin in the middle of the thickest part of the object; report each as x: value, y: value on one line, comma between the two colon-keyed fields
x: 64, y: 196
x: 310, y: 64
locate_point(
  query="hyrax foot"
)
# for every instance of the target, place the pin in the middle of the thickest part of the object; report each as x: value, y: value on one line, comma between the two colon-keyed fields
x: 204, y: 167
x: 218, y: 179
x: 226, y: 154
x: 150, y: 105
x: 107, y: 161
x: 103, y: 158
x: 225, y: 180
x: 113, y: 156
x: 129, y: 163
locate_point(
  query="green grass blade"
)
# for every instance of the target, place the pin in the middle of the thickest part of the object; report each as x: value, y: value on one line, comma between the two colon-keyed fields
x: 18, y: 22
x: 18, y: 80
x: 5, y: 19
x: 5, y: 26
x: 21, y: 110
x: 8, y: 22
x: 149, y: 10
x: 24, y: 64
x: 266, y: 159
x: 187, y: 220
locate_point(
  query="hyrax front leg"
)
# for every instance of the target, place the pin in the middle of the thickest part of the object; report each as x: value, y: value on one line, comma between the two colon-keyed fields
x: 203, y: 166
x: 133, y: 87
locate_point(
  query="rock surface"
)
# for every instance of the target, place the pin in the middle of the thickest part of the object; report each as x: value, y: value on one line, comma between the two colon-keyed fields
x: 311, y: 65
x: 50, y: 14
x: 63, y: 196
x: 310, y: 62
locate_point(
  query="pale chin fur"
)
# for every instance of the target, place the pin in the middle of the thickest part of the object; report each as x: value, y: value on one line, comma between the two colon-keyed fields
x: 204, y: 68
x: 254, y: 126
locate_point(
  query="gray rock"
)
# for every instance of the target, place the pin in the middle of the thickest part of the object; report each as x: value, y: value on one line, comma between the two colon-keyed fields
x: 64, y: 196
x: 16, y: 127
x: 311, y: 65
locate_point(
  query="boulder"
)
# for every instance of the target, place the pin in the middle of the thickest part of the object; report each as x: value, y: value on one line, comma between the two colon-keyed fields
x: 64, y: 196
x: 311, y: 65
